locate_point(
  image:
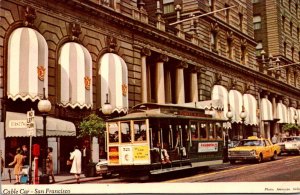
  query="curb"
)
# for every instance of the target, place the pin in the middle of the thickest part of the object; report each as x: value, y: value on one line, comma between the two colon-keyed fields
x: 73, y: 180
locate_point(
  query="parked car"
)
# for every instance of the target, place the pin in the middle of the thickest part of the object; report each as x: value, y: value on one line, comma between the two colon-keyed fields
x: 290, y: 145
x: 102, y: 168
x: 253, y: 148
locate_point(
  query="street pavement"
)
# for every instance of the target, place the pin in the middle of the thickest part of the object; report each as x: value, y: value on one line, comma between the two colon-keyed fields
x: 61, y: 179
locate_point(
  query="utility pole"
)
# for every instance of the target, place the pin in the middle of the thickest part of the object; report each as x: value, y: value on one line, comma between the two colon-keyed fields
x: 208, y: 13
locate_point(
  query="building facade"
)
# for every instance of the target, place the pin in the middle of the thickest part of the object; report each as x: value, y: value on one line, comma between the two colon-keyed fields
x: 276, y: 31
x: 130, y: 52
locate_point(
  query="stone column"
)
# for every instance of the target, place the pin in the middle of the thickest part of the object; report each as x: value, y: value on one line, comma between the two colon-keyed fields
x: 180, y: 99
x: 160, y: 80
x: 194, y: 84
x: 145, y: 52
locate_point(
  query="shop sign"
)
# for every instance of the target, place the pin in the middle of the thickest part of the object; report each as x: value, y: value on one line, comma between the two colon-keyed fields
x: 17, y: 124
x: 207, y: 147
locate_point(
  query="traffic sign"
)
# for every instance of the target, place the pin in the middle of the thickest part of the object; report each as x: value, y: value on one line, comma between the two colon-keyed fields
x: 31, y: 130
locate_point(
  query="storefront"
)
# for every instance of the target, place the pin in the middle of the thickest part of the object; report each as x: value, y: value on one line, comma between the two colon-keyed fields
x: 57, y: 131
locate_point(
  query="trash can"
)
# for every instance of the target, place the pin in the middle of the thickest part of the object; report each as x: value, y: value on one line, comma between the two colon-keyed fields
x: 90, y: 170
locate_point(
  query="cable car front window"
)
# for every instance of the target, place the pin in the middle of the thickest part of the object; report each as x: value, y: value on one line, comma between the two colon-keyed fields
x: 125, y: 132
x: 113, y: 130
x: 140, y: 131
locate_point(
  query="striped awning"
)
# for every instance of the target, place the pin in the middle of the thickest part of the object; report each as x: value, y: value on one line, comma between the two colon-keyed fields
x: 220, y: 93
x: 236, y: 103
x: 282, y: 113
x: 76, y: 76
x: 291, y: 113
x: 250, y: 104
x: 266, y: 110
x: 27, y: 67
x: 114, y: 82
x: 16, y: 126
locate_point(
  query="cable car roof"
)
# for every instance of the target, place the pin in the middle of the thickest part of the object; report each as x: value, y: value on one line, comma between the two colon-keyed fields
x: 166, y: 111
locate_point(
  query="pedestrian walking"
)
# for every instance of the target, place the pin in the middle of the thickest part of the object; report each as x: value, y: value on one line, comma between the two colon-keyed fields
x: 18, y: 162
x: 49, y: 164
x: 75, y: 157
x: 275, y: 138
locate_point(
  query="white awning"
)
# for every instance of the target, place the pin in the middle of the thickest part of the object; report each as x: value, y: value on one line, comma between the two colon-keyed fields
x: 298, y: 112
x: 76, y: 76
x: 114, y: 81
x: 250, y: 105
x: 15, y: 126
x: 291, y: 113
x: 207, y: 104
x: 236, y: 103
x: 27, y: 67
x: 282, y: 114
x: 220, y: 93
x: 266, y: 110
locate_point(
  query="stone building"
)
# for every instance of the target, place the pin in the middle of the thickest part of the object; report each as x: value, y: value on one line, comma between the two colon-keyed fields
x: 276, y: 31
x: 133, y: 51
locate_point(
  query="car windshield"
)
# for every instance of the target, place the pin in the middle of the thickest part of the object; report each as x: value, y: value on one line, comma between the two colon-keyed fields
x: 287, y: 139
x: 250, y: 143
x: 296, y: 138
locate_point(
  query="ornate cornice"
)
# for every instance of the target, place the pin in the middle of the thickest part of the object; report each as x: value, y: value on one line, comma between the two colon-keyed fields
x: 29, y: 16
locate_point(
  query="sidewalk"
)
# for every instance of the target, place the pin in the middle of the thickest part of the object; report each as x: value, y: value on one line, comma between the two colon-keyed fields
x: 62, y: 179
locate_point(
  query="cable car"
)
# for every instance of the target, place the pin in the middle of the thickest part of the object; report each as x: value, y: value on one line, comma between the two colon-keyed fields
x: 154, y: 139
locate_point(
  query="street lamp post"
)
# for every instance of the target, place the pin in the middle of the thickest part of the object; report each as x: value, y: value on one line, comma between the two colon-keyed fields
x: 229, y: 115
x: 107, y: 107
x: 243, y: 116
x: 44, y: 106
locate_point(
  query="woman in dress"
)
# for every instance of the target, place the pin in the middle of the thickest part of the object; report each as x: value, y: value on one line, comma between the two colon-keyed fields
x: 18, y: 162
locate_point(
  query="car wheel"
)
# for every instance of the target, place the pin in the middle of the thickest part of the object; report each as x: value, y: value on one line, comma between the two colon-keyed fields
x: 260, y: 157
x: 106, y: 175
x: 274, y: 157
x: 232, y: 162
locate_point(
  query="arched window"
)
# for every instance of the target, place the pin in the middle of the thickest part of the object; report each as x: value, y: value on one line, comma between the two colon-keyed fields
x: 27, y: 66
x: 113, y: 78
x: 75, y: 63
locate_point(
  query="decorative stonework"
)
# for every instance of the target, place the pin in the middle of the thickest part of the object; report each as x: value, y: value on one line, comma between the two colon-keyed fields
x: 75, y: 31
x: 182, y: 64
x: 111, y: 43
x: 163, y: 58
x: 146, y: 51
x: 233, y: 84
x: 41, y: 72
x: 214, y: 27
x: 247, y: 88
x: 87, y: 82
x: 244, y: 43
x: 30, y: 16
x: 229, y: 36
x: 124, y: 90
x: 218, y: 79
x: 195, y: 69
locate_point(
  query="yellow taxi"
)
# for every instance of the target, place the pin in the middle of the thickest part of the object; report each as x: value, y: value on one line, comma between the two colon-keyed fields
x: 253, y: 148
